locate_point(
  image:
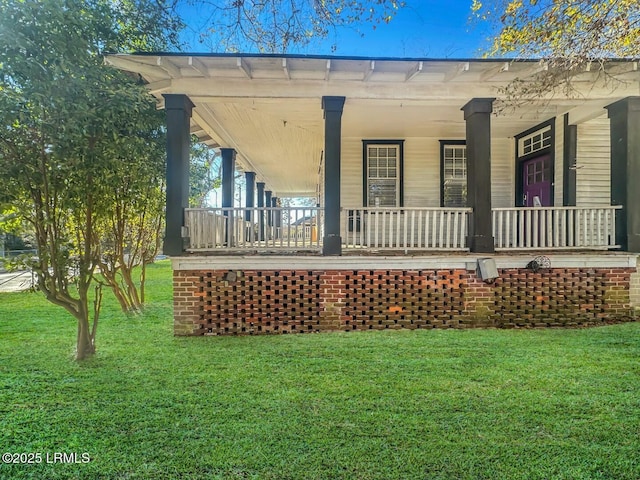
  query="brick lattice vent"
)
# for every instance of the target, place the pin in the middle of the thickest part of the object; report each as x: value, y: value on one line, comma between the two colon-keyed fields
x: 260, y: 302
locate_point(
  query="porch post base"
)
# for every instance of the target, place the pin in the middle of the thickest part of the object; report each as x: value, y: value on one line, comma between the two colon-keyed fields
x: 481, y: 244
x: 332, y: 245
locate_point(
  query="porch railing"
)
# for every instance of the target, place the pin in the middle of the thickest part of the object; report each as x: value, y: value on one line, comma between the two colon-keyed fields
x: 557, y: 228
x: 405, y: 228
x: 285, y: 228
x: 410, y: 228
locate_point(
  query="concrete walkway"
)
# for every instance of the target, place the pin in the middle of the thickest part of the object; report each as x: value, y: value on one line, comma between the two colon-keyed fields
x: 15, y: 281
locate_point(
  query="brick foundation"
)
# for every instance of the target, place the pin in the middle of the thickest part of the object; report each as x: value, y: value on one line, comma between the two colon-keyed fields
x: 299, y: 301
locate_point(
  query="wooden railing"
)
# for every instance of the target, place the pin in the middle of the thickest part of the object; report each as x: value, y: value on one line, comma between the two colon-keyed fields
x: 283, y: 228
x: 557, y: 228
x: 405, y: 228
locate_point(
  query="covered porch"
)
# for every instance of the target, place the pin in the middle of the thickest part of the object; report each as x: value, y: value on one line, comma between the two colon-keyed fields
x: 432, y: 202
x: 396, y: 155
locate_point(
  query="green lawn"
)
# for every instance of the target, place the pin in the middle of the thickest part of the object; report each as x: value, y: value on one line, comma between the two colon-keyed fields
x: 439, y: 404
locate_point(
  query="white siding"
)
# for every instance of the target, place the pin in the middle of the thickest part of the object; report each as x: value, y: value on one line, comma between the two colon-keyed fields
x: 502, y: 172
x: 422, y: 172
x: 351, y: 172
x: 593, y: 161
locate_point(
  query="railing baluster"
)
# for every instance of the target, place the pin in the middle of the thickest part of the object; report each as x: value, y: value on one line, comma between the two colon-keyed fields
x: 434, y: 229
x: 554, y: 227
x: 456, y: 221
x: 405, y: 222
x: 412, y: 235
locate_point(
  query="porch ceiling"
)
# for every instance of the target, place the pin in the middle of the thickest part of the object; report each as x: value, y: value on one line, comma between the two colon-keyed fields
x: 269, y: 107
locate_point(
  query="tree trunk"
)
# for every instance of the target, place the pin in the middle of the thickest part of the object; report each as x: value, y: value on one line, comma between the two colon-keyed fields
x: 85, y: 345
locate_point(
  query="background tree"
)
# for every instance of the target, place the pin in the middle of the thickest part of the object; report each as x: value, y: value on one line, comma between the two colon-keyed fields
x: 205, y: 173
x: 571, y: 36
x: 131, y: 228
x: 278, y: 26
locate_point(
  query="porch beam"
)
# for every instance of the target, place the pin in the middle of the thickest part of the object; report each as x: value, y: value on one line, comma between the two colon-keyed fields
x: 477, y: 115
x: 370, y: 69
x: 178, y: 109
x: 169, y: 67
x: 199, y: 66
x: 493, y: 72
x: 244, y: 67
x: 624, y: 118
x: 455, y: 71
x: 160, y: 86
x: 124, y: 62
x: 285, y: 69
x: 414, y: 71
x: 250, y: 194
x: 332, y: 106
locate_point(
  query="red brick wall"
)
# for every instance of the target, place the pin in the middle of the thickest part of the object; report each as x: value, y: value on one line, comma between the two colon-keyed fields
x: 298, y: 301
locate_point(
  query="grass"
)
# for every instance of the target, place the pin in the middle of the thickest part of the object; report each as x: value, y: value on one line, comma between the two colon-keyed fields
x: 439, y: 404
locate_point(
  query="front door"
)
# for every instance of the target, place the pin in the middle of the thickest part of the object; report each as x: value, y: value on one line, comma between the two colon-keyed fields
x: 536, y: 175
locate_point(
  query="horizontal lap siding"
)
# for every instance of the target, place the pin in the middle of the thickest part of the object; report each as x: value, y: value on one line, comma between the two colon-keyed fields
x: 422, y: 172
x: 594, y: 154
x: 351, y: 172
x: 502, y: 172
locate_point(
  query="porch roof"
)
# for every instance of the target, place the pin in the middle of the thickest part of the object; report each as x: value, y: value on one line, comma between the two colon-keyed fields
x: 268, y: 107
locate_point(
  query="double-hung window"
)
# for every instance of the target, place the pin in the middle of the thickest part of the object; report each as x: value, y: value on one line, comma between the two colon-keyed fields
x: 383, y: 173
x: 453, y: 173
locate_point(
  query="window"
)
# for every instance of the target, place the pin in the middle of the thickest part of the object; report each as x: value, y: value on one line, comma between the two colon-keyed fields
x: 535, y: 142
x: 539, y: 171
x: 454, y: 173
x: 383, y: 173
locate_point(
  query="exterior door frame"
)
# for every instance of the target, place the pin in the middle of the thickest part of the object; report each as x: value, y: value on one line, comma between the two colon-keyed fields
x: 521, y: 158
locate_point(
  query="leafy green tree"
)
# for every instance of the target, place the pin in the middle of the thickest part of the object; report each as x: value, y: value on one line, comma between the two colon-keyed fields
x: 571, y: 36
x: 65, y: 120
x: 131, y: 229
x: 79, y: 141
x: 205, y: 173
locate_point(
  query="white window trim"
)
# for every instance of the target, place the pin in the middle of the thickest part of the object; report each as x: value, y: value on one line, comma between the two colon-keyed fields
x: 536, y: 147
x: 398, y: 148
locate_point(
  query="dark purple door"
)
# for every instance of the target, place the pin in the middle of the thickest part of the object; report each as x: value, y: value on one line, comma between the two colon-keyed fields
x: 536, y: 175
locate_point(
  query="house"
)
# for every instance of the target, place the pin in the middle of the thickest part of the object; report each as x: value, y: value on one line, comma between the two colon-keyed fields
x: 437, y: 206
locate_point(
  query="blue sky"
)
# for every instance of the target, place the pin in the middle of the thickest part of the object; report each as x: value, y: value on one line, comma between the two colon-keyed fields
x: 424, y: 28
